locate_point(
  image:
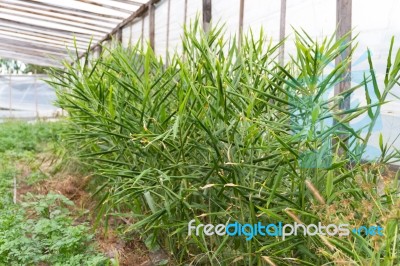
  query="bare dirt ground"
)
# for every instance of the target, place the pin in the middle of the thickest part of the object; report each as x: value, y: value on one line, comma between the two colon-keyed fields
x: 128, y: 253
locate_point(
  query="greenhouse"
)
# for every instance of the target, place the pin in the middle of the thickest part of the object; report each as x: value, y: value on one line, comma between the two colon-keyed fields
x: 201, y: 132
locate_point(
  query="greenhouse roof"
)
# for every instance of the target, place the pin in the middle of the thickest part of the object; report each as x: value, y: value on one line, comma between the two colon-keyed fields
x: 39, y: 31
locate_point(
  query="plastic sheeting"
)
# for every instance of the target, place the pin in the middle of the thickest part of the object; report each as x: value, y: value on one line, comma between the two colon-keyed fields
x: 374, y: 22
x: 26, y: 97
x: 176, y: 25
x: 262, y: 14
x: 136, y: 31
x: 160, y: 34
x: 227, y: 15
x: 146, y: 31
x: 127, y: 35
x: 38, y: 31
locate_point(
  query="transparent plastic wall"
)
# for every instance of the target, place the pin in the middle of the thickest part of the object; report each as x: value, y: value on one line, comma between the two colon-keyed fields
x: 160, y: 33
x: 375, y: 22
x: 127, y: 35
x: 26, y: 96
x: 316, y: 17
x: 262, y: 14
x: 227, y: 13
x: 176, y: 23
x: 136, y: 31
x: 146, y: 31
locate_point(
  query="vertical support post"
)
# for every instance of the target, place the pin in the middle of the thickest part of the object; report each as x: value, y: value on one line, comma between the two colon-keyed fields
x: 206, y: 15
x: 282, y: 32
x: 118, y: 35
x: 343, y: 21
x: 36, y: 97
x: 151, y: 24
x: 9, y: 85
x: 185, y: 16
x: 241, y: 17
x: 100, y: 50
x: 142, y: 37
x: 95, y: 53
x: 167, y: 41
x: 184, y: 24
x: 130, y: 35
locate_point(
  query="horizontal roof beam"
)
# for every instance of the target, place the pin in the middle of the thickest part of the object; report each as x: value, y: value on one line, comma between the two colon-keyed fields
x: 30, y: 50
x: 53, y: 32
x: 59, y: 10
x: 52, y: 15
x: 28, y: 59
x: 112, y: 5
x: 138, y: 3
x: 79, y: 41
x: 24, y: 57
x: 49, y: 24
x: 61, y: 22
x: 76, y: 5
x: 24, y: 43
x: 40, y: 40
x: 29, y: 43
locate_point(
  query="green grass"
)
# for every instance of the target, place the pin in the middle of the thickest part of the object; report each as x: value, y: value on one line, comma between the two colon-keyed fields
x: 19, y: 136
x: 227, y: 134
x: 41, y: 229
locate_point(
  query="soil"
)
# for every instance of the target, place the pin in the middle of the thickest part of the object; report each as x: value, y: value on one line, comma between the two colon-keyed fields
x: 128, y: 253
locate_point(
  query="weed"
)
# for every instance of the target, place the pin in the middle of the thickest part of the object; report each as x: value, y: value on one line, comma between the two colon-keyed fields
x: 40, y: 230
